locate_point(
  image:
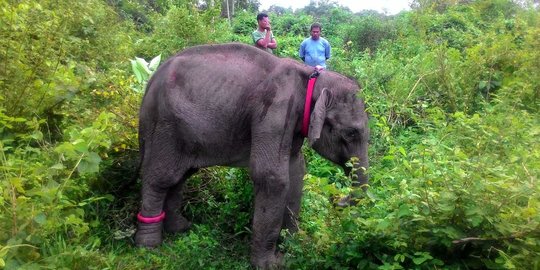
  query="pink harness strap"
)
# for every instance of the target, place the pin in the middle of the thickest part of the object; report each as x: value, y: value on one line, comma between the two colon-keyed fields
x: 149, y: 220
x: 307, y: 105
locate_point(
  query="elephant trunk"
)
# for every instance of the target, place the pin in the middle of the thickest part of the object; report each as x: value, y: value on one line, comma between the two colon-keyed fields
x: 360, y: 179
x: 361, y: 175
x: 362, y: 163
x: 359, y: 170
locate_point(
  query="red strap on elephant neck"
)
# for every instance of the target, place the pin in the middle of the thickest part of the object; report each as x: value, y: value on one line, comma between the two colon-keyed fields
x: 307, y: 105
x: 149, y: 220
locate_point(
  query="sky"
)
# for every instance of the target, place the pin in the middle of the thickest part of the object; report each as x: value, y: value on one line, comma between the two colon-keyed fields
x: 389, y: 7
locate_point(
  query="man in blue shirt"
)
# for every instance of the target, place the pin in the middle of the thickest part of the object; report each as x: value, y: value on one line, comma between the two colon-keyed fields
x: 315, y: 50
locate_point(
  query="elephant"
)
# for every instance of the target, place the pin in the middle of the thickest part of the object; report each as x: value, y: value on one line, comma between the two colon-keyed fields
x: 236, y: 105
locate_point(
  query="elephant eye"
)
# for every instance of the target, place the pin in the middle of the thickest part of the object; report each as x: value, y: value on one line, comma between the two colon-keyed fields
x: 352, y: 133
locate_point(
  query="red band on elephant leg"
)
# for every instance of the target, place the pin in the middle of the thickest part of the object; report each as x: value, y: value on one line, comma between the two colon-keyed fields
x: 155, y: 219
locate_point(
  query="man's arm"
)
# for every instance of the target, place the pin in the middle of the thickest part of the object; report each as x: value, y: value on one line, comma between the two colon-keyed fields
x: 272, y: 44
x: 268, y: 41
x: 327, y: 50
x: 263, y: 42
x: 302, y: 51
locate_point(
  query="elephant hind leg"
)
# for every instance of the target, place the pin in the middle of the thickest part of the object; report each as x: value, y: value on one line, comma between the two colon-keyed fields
x: 175, y: 222
x: 159, y: 180
x: 149, y: 233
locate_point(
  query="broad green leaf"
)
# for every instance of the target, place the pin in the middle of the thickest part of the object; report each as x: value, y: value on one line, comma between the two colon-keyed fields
x: 143, y: 65
x: 77, y: 141
x: 419, y: 260
x: 482, y: 84
x: 383, y: 224
x: 155, y: 63
x: 141, y: 61
x: 3, y: 251
x: 371, y: 195
x: 90, y: 163
x: 66, y: 148
x: 17, y: 183
x: 40, y: 218
x: 136, y: 71
x: 37, y: 135
x: 81, y: 147
x: 402, y: 151
x: 404, y: 210
x: 144, y: 72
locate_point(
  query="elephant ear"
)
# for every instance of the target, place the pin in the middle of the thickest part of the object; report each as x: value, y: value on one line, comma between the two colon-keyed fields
x: 317, y: 117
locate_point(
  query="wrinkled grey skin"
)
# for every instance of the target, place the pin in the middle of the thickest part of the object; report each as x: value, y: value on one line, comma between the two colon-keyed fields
x: 236, y: 105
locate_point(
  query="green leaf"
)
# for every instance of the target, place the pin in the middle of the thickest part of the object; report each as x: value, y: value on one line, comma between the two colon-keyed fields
x: 155, y: 63
x: 40, y: 218
x: 81, y: 147
x: 482, y: 85
x: 404, y: 211
x: 66, y: 148
x: 142, y: 64
x: 136, y: 71
x: 402, y: 151
x: 383, y: 224
x: 3, y: 251
x: 422, y: 257
x: 37, y: 135
x: 58, y: 166
x: 371, y: 195
x: 419, y: 260
x: 90, y: 163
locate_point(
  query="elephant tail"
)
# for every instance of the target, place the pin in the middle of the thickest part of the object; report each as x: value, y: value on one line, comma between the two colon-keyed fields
x: 137, y: 172
x: 127, y: 186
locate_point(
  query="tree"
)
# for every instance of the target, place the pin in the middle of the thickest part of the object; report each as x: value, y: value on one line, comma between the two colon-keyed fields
x: 228, y: 7
x: 437, y: 5
x: 279, y: 10
x: 319, y: 8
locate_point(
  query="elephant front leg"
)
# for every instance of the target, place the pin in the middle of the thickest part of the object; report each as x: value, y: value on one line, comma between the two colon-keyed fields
x: 270, y: 197
x: 294, y: 196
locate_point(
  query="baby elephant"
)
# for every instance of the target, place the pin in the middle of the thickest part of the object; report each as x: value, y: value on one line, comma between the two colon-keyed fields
x: 237, y: 105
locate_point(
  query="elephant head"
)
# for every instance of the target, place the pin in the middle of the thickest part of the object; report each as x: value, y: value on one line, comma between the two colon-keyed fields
x: 339, y: 127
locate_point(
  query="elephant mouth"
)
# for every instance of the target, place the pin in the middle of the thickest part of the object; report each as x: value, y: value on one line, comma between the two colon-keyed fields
x: 347, y: 169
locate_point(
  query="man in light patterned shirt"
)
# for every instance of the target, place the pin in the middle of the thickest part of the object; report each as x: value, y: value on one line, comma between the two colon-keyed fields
x: 263, y: 36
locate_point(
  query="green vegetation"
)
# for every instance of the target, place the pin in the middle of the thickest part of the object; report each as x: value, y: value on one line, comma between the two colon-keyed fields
x: 453, y: 93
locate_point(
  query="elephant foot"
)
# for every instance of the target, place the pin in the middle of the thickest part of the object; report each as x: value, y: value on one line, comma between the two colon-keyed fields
x: 347, y: 201
x: 353, y: 198
x: 149, y: 234
x: 176, y: 224
x: 272, y: 261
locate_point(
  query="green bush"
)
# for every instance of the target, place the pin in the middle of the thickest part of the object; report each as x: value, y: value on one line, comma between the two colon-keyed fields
x: 449, y: 193
x: 45, y: 188
x: 179, y: 28
x: 367, y: 32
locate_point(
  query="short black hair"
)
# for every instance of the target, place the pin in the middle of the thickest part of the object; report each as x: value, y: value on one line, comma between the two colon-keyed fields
x: 315, y: 25
x: 260, y: 16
